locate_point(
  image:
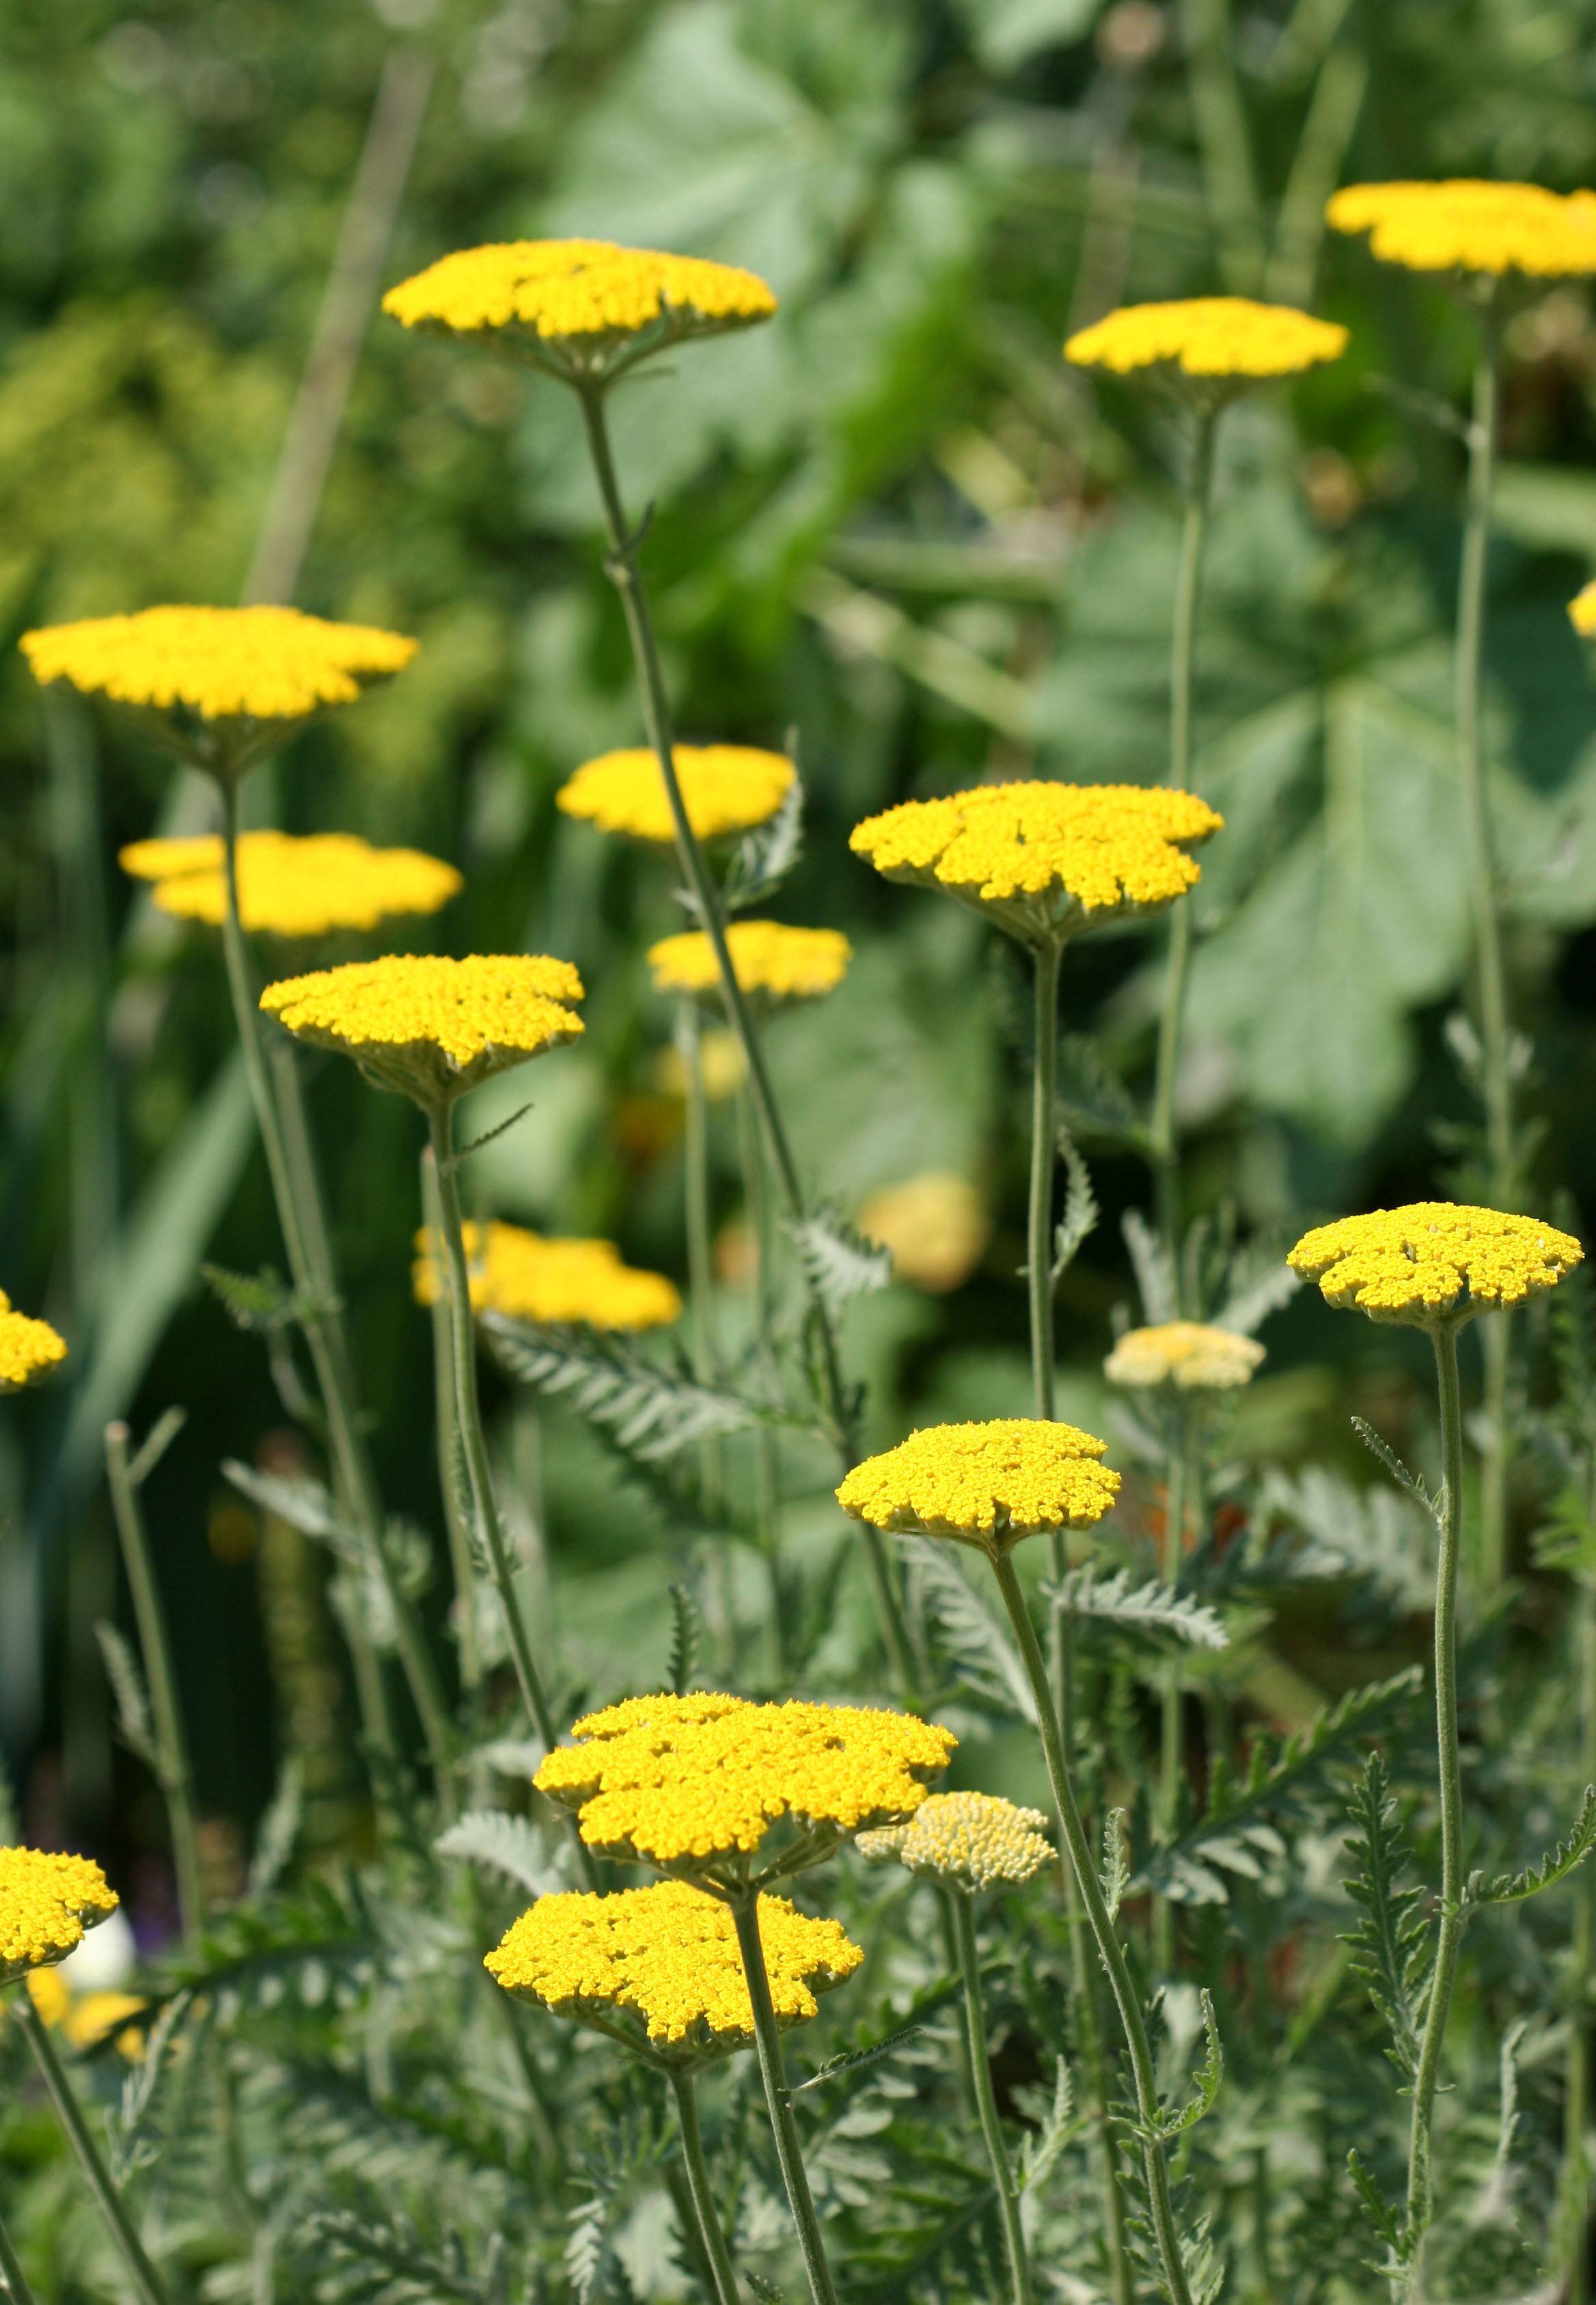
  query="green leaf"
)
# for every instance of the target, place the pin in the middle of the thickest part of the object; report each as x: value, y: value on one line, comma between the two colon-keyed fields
x: 977, y: 1646
x: 859, y: 2061
x: 764, y: 857
x: 1556, y: 1865
x: 1394, y: 1465
x: 1154, y: 1608
x: 154, y: 1445
x: 652, y: 1410
x: 1080, y: 1211
x: 1390, y: 1945
x: 506, y: 1844
x: 1210, y: 2075
x: 1043, y: 2146
x: 1115, y: 1875
x: 839, y: 1263
x: 1378, y: 2211
x: 133, y: 1723
x: 279, y: 1827
x: 1150, y: 1261
x: 305, y: 1504
x: 687, y: 1631
x: 260, y: 1303
x: 1092, y: 1102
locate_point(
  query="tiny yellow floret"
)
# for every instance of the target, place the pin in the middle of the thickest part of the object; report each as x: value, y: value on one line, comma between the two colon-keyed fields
x: 726, y: 788
x: 986, y: 1485
x: 695, y: 1785
x: 1582, y: 611
x: 430, y: 1026
x: 769, y: 959
x: 1463, y: 224
x: 29, y: 1348
x: 1188, y: 1355
x: 669, y: 1954
x: 222, y: 664
x: 288, y: 885
x: 525, y: 1276
x: 1227, y: 339
x: 935, y: 1224
x: 1434, y: 1262
x: 974, y: 1841
x: 47, y: 1902
x: 1046, y: 860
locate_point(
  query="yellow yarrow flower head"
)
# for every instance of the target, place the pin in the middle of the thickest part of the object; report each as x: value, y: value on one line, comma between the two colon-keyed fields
x: 972, y: 1841
x: 772, y: 962
x: 428, y: 1026
x: 669, y: 1955
x: 1046, y: 861
x: 316, y: 886
x: 1188, y: 1355
x: 523, y: 1276
x: 220, y: 687
x: 581, y: 309
x: 1210, y: 348
x: 935, y: 1225
x: 1582, y: 611
x: 1434, y: 1264
x: 87, y: 2019
x: 29, y: 1350
x: 711, y: 1788
x: 46, y: 1901
x: 1472, y: 227
x: 725, y: 790
x: 988, y: 1484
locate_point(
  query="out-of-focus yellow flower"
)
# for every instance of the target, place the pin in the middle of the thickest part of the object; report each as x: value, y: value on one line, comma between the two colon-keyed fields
x: 726, y: 788
x: 1046, y: 861
x: 668, y: 1955
x: 47, y: 1899
x: 86, y: 2019
x: 697, y: 1785
x: 1582, y: 610
x: 722, y: 1066
x: 527, y: 1277
x: 293, y: 886
x: 1466, y: 225
x: 771, y: 961
x: 986, y: 1485
x: 428, y: 1026
x: 1221, y: 342
x: 1434, y: 1262
x: 583, y: 310
x: 972, y: 1841
x: 935, y: 1224
x: 29, y: 1348
x: 1188, y: 1355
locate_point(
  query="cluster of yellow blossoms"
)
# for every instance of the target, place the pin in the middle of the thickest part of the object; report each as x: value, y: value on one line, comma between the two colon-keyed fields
x: 936, y: 1226
x: 986, y: 1485
x: 293, y: 887
x: 669, y: 1953
x: 29, y: 1348
x: 86, y: 2019
x: 770, y: 960
x: 1433, y: 1261
x: 1189, y: 1355
x: 46, y: 1901
x: 696, y: 1784
x: 430, y: 1026
x: 1048, y: 860
x: 1466, y: 225
x: 726, y: 788
x: 1582, y: 609
x: 526, y: 1277
x: 972, y: 1841
x: 1213, y: 337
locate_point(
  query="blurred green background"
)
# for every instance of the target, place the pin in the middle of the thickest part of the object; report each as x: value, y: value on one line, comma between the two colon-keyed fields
x: 892, y: 522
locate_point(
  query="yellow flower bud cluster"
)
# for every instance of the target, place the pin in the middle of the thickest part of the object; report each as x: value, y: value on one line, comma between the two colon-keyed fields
x: 29, y: 1348
x: 697, y: 1784
x: 669, y: 1954
x: 770, y: 960
x: 1433, y: 1261
x: 1046, y: 860
x: 974, y: 1841
x: 726, y: 788
x: 1188, y: 1355
x: 430, y: 1026
x: 46, y: 1901
x: 935, y: 1225
x: 293, y: 887
x: 526, y: 1277
x: 255, y: 664
x: 1227, y: 338
x: 986, y: 1485
x: 1582, y: 611
x: 1466, y: 225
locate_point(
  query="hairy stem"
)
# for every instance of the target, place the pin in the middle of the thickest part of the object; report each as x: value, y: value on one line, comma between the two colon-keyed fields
x: 700, y: 1260
x: 11, y: 2271
x: 711, y: 2234
x: 461, y: 1568
x: 778, y: 2100
x: 766, y: 1497
x: 963, y: 1909
x: 1171, y: 1706
x: 146, y: 2280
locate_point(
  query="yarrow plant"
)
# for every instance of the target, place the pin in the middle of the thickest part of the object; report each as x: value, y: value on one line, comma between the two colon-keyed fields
x: 325, y: 884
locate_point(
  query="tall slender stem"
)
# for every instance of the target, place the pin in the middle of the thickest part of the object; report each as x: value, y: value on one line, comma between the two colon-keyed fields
x: 701, y: 1258
x: 1183, y: 661
x: 1044, y: 1154
x: 840, y: 1406
x: 778, y: 2100
x: 1433, y: 2040
x: 1576, y: 2096
x: 711, y: 2234
x: 1171, y: 1709
x: 11, y: 2275
x: 146, y: 2280
x: 963, y: 1909
x: 173, y: 1765
x: 1111, y: 1952
x: 461, y: 1567
x: 767, y: 1500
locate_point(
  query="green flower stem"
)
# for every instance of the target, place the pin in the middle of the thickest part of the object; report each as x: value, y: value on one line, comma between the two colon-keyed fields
x: 1188, y: 595
x: 11, y: 2271
x: 1171, y: 1708
x: 712, y: 2236
x: 293, y: 1190
x: 778, y: 2099
x: 474, y: 1445
x: 1111, y: 1951
x: 173, y: 1764
x: 462, y: 1569
x: 1576, y: 2096
x: 841, y: 1409
x: 700, y: 1257
x: 766, y: 1498
x: 1419, y: 2187
x: 963, y: 1909
x: 146, y: 2280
